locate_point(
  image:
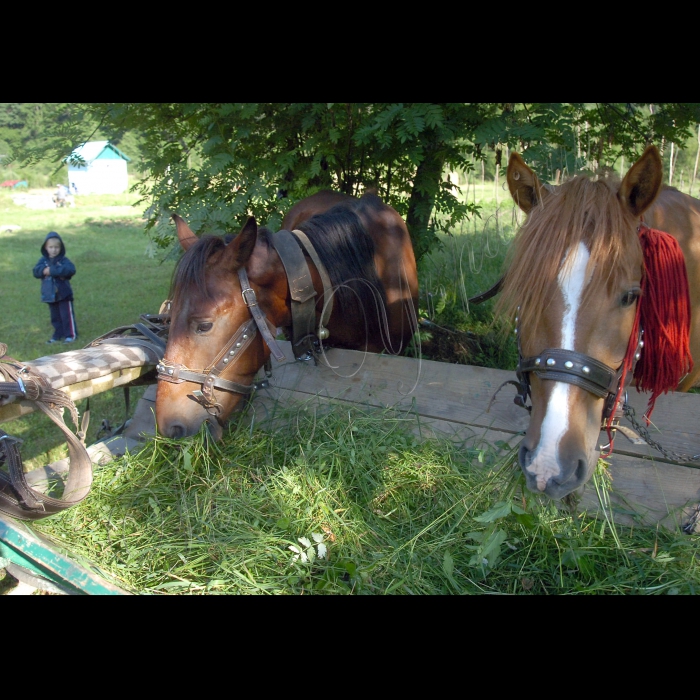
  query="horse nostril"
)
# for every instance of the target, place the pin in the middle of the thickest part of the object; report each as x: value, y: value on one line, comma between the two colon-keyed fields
x: 175, y: 430
x: 581, y: 471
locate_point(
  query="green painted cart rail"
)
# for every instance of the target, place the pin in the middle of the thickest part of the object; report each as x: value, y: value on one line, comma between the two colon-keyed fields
x: 37, y: 562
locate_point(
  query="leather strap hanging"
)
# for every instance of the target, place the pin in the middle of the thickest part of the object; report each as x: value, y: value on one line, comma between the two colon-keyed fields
x: 301, y: 288
x: 17, y: 498
x: 327, y: 289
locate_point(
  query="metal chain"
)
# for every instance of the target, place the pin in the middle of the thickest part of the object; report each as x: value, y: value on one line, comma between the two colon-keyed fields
x: 644, y: 433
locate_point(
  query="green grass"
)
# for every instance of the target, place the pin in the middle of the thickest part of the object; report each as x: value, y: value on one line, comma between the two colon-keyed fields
x: 469, y: 262
x: 339, y: 501
x: 115, y: 282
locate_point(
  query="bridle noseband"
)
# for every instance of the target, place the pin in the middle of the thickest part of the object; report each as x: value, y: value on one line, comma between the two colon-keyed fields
x: 573, y: 368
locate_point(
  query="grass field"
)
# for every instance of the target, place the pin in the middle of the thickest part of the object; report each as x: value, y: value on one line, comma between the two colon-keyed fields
x: 115, y: 282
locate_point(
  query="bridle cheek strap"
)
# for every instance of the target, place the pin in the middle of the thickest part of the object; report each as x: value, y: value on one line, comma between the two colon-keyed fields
x: 260, y: 319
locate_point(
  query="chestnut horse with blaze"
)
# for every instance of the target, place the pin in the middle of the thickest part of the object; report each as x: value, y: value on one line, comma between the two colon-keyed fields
x: 603, y: 282
x: 341, y: 272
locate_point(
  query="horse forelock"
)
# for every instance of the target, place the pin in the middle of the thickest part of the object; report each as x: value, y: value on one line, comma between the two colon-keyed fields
x: 579, y: 211
x: 190, y: 271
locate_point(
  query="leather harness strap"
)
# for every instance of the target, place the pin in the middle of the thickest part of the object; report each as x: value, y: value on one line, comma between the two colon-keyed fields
x: 209, y: 377
x: 301, y: 288
x: 487, y: 294
x: 327, y: 288
x: 252, y: 303
x: 574, y: 368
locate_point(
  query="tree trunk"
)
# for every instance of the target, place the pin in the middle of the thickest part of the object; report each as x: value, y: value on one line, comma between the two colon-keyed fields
x: 670, y: 165
x: 695, y: 169
x: 420, y: 205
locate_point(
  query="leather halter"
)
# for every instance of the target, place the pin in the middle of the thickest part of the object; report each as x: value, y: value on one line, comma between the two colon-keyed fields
x: 303, y: 319
x: 210, y: 377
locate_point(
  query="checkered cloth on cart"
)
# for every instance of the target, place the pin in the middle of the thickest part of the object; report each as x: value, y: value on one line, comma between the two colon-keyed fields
x: 75, y: 366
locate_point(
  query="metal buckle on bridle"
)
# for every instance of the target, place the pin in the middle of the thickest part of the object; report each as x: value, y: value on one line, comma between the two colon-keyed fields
x: 212, y: 407
x: 249, y: 303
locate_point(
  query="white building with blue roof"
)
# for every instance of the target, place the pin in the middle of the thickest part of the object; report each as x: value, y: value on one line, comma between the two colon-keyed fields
x: 97, y: 167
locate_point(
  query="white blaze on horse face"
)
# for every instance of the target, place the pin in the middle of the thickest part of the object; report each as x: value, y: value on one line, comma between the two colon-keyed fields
x: 573, y: 278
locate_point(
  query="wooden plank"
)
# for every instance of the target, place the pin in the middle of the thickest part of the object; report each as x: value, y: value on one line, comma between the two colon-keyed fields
x: 461, y: 394
x: 648, y: 492
x: 438, y: 390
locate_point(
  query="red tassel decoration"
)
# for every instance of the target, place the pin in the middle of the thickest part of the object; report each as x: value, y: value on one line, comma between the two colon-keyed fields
x: 664, y: 316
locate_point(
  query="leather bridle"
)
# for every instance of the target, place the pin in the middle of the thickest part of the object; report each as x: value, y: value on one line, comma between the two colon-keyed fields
x: 210, y: 377
x: 303, y: 317
x: 574, y: 368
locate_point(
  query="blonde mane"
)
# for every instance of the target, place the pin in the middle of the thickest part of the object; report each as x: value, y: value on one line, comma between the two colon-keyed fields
x: 580, y: 210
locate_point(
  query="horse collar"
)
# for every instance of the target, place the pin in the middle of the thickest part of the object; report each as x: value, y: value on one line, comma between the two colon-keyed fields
x: 305, y: 337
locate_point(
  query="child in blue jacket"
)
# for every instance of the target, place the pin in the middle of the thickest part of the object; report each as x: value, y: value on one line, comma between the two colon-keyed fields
x: 54, y: 270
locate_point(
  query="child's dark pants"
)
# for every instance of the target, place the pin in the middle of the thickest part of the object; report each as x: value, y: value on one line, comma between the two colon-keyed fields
x: 63, y: 319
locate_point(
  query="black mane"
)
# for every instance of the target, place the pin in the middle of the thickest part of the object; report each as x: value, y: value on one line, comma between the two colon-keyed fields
x: 347, y: 251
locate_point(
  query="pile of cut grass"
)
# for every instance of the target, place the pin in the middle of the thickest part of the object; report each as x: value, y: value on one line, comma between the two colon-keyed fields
x: 339, y: 500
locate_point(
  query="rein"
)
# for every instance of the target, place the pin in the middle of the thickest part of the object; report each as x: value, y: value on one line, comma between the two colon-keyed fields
x: 304, y: 340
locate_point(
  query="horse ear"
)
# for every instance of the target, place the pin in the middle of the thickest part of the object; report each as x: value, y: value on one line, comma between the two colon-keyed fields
x: 643, y: 182
x: 184, y: 232
x: 524, y: 186
x: 239, y: 250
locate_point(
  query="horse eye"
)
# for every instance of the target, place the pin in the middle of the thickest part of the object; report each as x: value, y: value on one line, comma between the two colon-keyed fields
x: 204, y: 327
x: 628, y: 298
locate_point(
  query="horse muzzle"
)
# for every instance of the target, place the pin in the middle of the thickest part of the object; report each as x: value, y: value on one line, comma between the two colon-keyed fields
x: 556, y: 478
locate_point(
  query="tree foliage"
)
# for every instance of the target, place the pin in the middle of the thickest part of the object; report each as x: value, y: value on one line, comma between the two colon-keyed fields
x: 217, y: 163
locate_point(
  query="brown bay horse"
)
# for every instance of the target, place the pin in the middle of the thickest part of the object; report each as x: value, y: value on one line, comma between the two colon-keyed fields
x: 341, y: 272
x: 580, y: 281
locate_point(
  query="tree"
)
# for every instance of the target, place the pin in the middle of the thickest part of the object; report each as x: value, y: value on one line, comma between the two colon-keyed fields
x: 217, y: 163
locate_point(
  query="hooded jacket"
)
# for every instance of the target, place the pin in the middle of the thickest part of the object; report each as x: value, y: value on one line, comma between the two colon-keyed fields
x: 55, y: 286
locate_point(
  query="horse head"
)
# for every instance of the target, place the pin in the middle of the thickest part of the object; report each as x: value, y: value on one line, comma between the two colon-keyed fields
x: 572, y: 285
x: 215, y: 343
x: 341, y: 268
